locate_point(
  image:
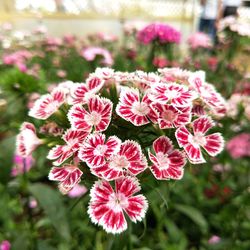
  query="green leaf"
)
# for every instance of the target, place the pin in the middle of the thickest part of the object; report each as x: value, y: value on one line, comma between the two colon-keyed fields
x: 51, y: 201
x: 193, y: 214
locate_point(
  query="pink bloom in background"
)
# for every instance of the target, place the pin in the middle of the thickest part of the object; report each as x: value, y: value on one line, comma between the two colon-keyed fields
x: 91, y: 53
x: 167, y: 162
x: 27, y: 140
x: 7, y: 26
x: 21, y: 164
x: 5, y: 245
x: 61, y: 73
x: 158, y: 31
x: 105, y: 37
x: 53, y: 41
x: 160, y: 62
x: 107, y: 206
x: 69, y: 39
x: 239, y: 146
x: 214, y: 240
x: 213, y: 62
x: 77, y: 191
x: 33, y: 203
x: 192, y: 143
x: 18, y: 58
x: 199, y: 40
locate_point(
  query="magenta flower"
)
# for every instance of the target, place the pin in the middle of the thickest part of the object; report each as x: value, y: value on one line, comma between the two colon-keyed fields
x: 5, y: 245
x: 107, y: 206
x: 158, y: 31
x: 167, y: 162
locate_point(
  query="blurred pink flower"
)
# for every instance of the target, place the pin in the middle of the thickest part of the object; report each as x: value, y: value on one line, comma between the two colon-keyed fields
x: 105, y: 37
x: 214, y: 240
x: 61, y: 73
x: 158, y: 31
x: 91, y: 53
x: 33, y: 203
x: 5, y: 245
x: 239, y: 146
x: 160, y: 62
x: 221, y: 168
x: 21, y: 164
x: 69, y: 39
x: 77, y: 191
x: 199, y: 40
x: 53, y: 41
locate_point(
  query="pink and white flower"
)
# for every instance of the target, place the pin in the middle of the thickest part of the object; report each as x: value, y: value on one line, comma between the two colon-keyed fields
x: 133, y: 110
x: 104, y: 73
x: 48, y: 104
x: 96, y: 149
x: 73, y: 139
x: 68, y: 176
x: 107, y: 206
x: 167, y: 162
x: 172, y: 93
x: 192, y: 143
x: 27, y: 140
x: 129, y: 160
x: 170, y: 117
x: 98, y: 115
x: 81, y: 92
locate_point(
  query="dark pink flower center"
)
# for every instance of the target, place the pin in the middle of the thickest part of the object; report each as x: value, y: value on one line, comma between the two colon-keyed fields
x: 140, y: 108
x: 169, y: 115
x: 93, y: 118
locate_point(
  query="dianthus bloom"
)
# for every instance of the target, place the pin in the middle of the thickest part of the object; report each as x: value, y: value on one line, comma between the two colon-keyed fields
x: 192, y: 143
x: 199, y: 40
x: 107, y: 206
x: 27, y: 140
x: 158, y: 31
x: 114, y: 119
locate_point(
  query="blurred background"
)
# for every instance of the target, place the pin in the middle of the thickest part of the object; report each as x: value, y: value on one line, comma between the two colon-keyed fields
x: 46, y: 42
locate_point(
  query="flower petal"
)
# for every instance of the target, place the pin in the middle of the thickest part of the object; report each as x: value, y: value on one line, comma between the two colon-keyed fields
x: 214, y: 144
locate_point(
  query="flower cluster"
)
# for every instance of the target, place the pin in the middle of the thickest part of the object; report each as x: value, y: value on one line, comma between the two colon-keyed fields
x: 199, y: 40
x: 106, y: 121
x: 235, y: 25
x: 160, y: 32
